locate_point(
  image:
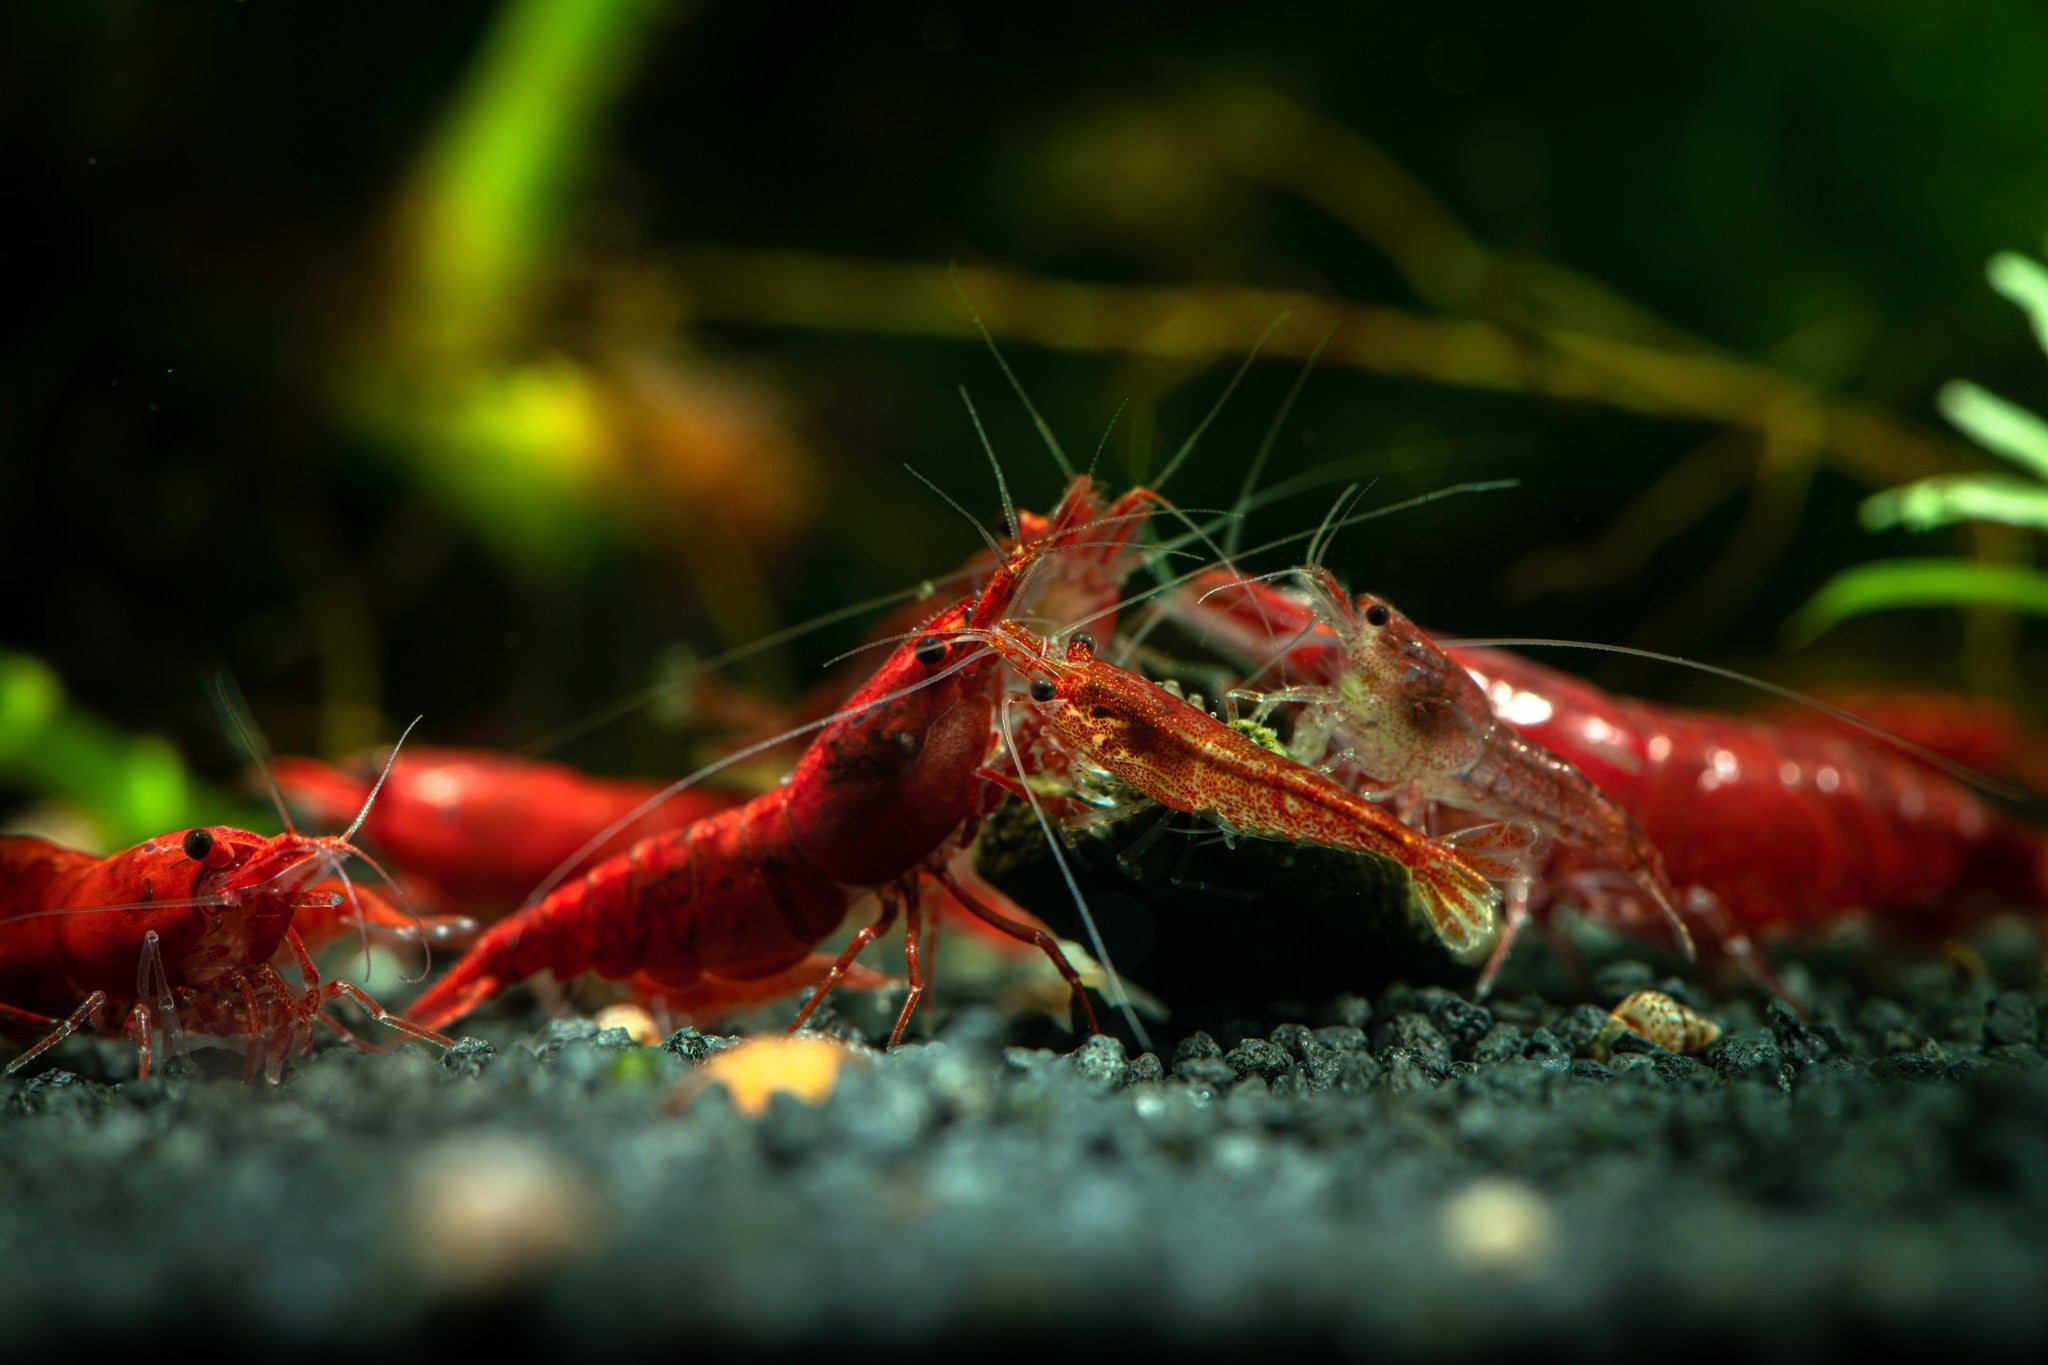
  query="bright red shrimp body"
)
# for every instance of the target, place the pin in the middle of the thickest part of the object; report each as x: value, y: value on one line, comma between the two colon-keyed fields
x: 881, y: 798
x: 1981, y: 733
x: 478, y: 828
x: 1765, y: 826
x: 1785, y: 826
x: 1185, y: 759
x: 87, y: 940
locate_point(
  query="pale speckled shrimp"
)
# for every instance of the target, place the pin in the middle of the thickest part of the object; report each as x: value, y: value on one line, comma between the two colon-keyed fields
x: 1394, y: 704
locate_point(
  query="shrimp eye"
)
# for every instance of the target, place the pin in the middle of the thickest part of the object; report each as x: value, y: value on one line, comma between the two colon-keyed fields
x: 1085, y: 640
x: 198, y: 843
x: 1377, y: 614
x: 930, y: 650
x: 1042, y: 689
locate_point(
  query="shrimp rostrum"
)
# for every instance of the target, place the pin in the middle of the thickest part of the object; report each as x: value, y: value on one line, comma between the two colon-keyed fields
x: 176, y: 934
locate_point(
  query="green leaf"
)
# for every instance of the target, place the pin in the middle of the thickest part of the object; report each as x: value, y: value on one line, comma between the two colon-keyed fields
x: 2000, y: 427
x: 29, y: 696
x: 1894, y: 583
x: 130, y: 786
x: 2026, y: 284
x: 500, y: 175
x: 1949, y: 498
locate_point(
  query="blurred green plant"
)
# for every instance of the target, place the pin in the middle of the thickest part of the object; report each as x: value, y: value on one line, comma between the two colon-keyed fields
x: 130, y: 787
x: 557, y: 440
x: 2016, y: 500
x: 511, y: 434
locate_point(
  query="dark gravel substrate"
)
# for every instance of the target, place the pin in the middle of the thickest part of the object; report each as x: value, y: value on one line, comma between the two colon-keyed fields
x: 1410, y: 1175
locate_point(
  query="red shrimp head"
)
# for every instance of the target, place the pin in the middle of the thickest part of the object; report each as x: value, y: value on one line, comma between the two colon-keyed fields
x: 230, y: 896
x: 884, y: 785
x: 888, y: 782
x: 1415, y: 708
x: 1093, y: 546
x: 1102, y: 710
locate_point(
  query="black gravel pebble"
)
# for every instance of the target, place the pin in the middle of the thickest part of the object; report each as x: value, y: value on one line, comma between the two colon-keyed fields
x: 2012, y: 1017
x: 1577, y: 1027
x: 1100, y: 1061
x: 1751, y: 1055
x: 1257, y: 1057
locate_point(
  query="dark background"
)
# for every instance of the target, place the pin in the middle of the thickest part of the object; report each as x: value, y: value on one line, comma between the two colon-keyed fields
x: 201, y: 239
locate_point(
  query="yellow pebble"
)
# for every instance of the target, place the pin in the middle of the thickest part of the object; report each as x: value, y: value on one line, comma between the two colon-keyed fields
x: 637, y: 1022
x: 761, y: 1068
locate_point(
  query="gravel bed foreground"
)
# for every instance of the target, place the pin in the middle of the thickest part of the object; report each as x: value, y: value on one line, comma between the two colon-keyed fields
x: 1409, y: 1175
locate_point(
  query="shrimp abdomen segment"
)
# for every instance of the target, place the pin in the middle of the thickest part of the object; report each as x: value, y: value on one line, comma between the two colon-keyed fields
x: 730, y: 896
x: 1785, y: 825
x: 1161, y: 745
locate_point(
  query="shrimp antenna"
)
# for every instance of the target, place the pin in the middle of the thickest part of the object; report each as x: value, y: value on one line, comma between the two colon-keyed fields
x: 1119, y: 997
x: 1002, y: 484
x: 1187, y: 447
x: 371, y: 799
x: 952, y: 502
x: 419, y: 926
x: 1158, y: 617
x: 1052, y: 442
x: 1200, y: 533
x: 1038, y: 566
x: 348, y: 889
x: 605, y: 715
x: 1960, y: 772
x: 1158, y: 589
x: 1424, y: 499
x: 1286, y: 488
x: 153, y: 903
x: 1325, y: 531
x: 1366, y: 465
x: 1258, y: 464
x: 233, y: 709
x: 1103, y: 444
x: 1280, y: 651
x: 1335, y: 520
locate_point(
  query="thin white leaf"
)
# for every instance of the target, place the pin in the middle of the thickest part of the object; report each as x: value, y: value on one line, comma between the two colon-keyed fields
x: 2023, y: 281
x: 2000, y: 427
x: 1950, y: 498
